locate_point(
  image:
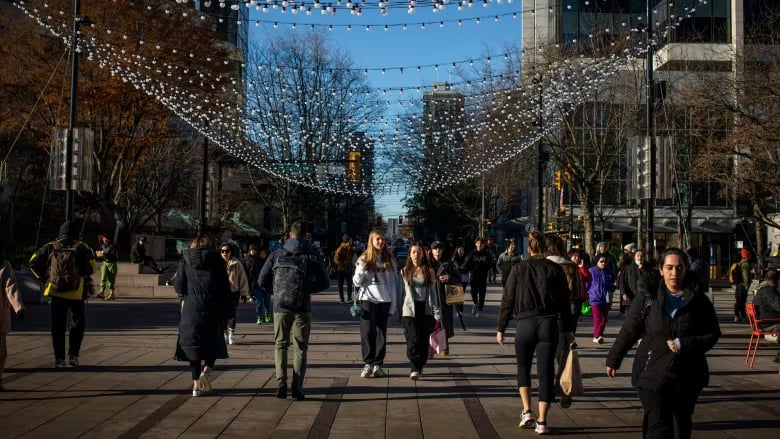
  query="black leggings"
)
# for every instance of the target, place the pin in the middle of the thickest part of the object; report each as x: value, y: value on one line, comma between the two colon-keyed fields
x: 196, y: 368
x: 478, y: 290
x: 538, y: 334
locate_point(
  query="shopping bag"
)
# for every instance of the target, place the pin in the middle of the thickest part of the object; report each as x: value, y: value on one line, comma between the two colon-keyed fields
x: 586, y: 308
x: 571, y: 378
x: 454, y: 294
x: 438, y: 339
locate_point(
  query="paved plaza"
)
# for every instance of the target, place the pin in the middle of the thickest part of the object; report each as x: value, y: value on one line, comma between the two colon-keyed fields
x: 129, y: 386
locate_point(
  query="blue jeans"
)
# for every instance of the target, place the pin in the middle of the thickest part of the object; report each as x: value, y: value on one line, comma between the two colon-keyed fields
x: 263, y: 306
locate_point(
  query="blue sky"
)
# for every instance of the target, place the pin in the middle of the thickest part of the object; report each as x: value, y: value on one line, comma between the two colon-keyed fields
x: 378, y: 48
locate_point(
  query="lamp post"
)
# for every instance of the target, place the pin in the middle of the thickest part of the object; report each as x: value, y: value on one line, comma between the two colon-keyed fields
x: 540, y: 159
x: 650, y: 132
x: 74, y: 85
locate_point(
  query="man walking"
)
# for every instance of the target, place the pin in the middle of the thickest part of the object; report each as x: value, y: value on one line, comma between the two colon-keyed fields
x: 292, y: 274
x: 66, y: 266
x: 507, y: 260
x: 479, y: 262
x: 344, y: 267
x: 741, y: 279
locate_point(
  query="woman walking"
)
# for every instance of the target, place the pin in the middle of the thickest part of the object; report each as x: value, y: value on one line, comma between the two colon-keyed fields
x: 420, y: 306
x: 446, y: 274
x: 599, y: 290
x: 201, y: 282
x: 678, y: 325
x: 537, y: 294
x: 376, y: 276
x: 239, y: 288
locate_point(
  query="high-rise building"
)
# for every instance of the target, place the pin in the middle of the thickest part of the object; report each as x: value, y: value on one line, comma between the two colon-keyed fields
x: 443, y: 123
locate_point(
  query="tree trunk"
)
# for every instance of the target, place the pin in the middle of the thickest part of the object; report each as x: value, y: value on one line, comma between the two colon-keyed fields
x: 760, y: 244
x: 587, y: 233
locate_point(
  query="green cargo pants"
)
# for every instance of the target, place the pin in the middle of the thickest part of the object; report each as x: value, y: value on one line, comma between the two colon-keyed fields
x: 299, y: 324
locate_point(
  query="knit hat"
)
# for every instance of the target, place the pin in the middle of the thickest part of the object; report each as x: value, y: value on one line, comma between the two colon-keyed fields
x: 745, y: 253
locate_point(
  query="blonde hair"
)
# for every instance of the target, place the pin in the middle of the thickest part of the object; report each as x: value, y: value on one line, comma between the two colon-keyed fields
x: 369, y: 257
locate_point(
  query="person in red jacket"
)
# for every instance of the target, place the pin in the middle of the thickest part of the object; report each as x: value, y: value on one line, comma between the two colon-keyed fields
x: 576, y: 256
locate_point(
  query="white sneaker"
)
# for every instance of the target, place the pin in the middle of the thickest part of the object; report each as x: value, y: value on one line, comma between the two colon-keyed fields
x: 204, y: 383
x: 196, y: 392
x: 476, y: 315
x: 527, y: 420
x: 541, y: 428
x: 771, y: 338
x: 231, y: 338
x: 595, y: 340
x: 474, y: 310
x: 601, y: 340
x: 377, y: 372
x: 414, y: 375
x: 366, y: 372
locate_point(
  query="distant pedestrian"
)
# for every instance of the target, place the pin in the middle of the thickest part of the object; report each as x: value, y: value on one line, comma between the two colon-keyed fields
x: 678, y: 325
x: 108, y: 269
x: 344, y: 268
x: 458, y: 261
x: 634, y: 276
x: 239, y: 288
x: 700, y: 268
x: 575, y: 255
x: 252, y: 266
x: 446, y: 274
x: 537, y: 294
x: 376, y: 277
x: 10, y: 302
x: 741, y: 279
x: 507, y: 260
x: 292, y: 274
x: 767, y: 302
x: 598, y: 295
x: 201, y: 283
x: 66, y: 265
x: 138, y: 256
x: 479, y: 262
x: 555, y: 251
x: 420, y: 308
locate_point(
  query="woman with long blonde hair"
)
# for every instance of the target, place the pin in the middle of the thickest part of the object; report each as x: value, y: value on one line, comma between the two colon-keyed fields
x: 376, y: 277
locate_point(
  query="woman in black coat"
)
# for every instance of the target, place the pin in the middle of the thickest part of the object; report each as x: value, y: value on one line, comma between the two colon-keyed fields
x: 678, y: 325
x: 446, y: 274
x: 202, y: 282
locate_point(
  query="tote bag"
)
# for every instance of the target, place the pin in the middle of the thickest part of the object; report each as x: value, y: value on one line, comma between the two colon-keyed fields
x: 454, y: 294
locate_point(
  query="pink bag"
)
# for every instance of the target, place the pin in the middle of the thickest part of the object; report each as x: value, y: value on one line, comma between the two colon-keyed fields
x: 438, y: 339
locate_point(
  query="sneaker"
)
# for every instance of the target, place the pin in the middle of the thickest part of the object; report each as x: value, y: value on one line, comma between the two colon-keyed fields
x: 565, y: 401
x: 414, y: 375
x: 281, y: 391
x: 341, y: 300
x: 474, y: 310
x: 541, y: 428
x: 58, y: 363
x: 476, y: 315
x: 259, y: 322
x: 366, y: 372
x: 527, y: 420
x: 196, y: 392
x: 73, y: 360
x: 267, y: 319
x: 595, y: 339
x: 601, y: 340
x: 377, y: 371
x: 100, y: 295
x: 110, y: 296
x: 297, y: 394
x: 204, y: 383
x: 231, y: 337
x: 736, y: 319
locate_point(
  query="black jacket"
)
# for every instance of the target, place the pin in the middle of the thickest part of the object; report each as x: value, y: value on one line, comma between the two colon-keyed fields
x: 109, y: 252
x: 479, y: 262
x: 536, y: 288
x: 445, y: 268
x: 252, y: 266
x: 202, y: 282
x: 318, y: 277
x: 695, y: 324
x: 631, y: 277
x: 137, y: 253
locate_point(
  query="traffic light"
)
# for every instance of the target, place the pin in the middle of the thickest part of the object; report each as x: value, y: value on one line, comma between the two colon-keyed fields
x: 400, y: 219
x: 353, y: 166
x: 558, y: 177
x: 550, y: 227
x: 489, y: 223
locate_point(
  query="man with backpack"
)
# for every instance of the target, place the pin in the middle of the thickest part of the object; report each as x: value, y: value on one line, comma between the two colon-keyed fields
x: 292, y: 274
x: 739, y: 276
x: 344, y: 267
x: 66, y: 265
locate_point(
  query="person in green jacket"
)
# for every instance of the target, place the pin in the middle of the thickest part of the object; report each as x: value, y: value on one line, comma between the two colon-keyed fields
x: 507, y: 260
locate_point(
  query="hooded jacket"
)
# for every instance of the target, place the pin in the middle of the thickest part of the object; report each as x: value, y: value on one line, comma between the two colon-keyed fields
x: 202, y: 282
x: 85, y: 260
x: 317, y: 276
x: 600, y: 286
x: 695, y: 324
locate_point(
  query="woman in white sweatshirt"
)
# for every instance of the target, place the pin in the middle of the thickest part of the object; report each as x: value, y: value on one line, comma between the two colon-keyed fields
x: 420, y: 306
x: 376, y: 277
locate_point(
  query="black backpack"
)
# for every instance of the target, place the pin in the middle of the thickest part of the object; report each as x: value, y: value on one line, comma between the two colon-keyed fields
x: 64, y: 268
x: 290, y: 274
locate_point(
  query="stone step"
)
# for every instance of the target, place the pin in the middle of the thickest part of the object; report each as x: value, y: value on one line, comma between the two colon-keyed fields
x: 146, y: 292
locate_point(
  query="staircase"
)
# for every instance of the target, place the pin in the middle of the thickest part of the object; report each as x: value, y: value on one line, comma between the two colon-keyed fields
x: 137, y: 281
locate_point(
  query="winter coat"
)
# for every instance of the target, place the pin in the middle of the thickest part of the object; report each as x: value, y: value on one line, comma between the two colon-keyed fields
x: 601, y: 286
x: 631, y: 277
x: 85, y: 260
x: 536, y: 288
x: 479, y: 262
x: 317, y: 276
x: 586, y: 279
x: 767, y: 303
x: 10, y: 300
x: 252, y: 266
x: 430, y: 293
x: 695, y: 324
x: 378, y: 287
x: 202, y: 282
x: 237, y: 277
x: 572, y: 277
x: 445, y: 269
x: 137, y: 253
x: 701, y: 269
x: 343, y: 258
x: 109, y: 253
x: 505, y: 263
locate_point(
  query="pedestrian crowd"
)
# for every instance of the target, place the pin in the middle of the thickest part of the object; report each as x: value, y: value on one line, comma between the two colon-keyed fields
x: 666, y: 313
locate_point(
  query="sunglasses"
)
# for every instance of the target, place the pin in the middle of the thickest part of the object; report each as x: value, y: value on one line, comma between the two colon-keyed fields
x: 225, y: 251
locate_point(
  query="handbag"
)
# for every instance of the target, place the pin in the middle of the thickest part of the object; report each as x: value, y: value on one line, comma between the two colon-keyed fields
x: 438, y: 339
x: 454, y: 294
x: 571, y: 377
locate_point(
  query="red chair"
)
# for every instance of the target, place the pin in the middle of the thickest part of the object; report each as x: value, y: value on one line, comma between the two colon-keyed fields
x: 756, y: 332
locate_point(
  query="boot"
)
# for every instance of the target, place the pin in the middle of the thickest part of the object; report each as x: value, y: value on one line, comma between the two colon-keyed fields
x: 281, y: 391
x: 111, y: 296
x: 101, y: 295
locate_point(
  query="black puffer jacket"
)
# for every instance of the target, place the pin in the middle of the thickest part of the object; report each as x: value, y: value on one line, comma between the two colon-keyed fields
x: 536, y: 288
x: 202, y: 282
x: 631, y: 277
x: 696, y: 325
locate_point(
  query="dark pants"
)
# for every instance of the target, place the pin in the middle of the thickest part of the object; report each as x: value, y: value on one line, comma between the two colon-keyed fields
x: 668, y: 409
x: 541, y: 335
x: 342, y: 279
x: 447, y: 318
x: 149, y: 262
x: 196, y: 367
x: 417, y: 330
x: 373, y: 330
x: 59, y: 319
x: 235, y: 297
x: 478, y: 289
x: 740, y: 299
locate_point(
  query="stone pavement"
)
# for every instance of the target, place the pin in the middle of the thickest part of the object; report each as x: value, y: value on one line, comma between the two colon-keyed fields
x: 128, y: 385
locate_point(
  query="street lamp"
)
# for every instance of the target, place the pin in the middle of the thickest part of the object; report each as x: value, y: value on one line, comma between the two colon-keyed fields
x: 540, y: 156
x: 650, y: 132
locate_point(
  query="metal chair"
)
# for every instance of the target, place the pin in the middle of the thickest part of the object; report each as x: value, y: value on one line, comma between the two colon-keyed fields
x: 756, y: 332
